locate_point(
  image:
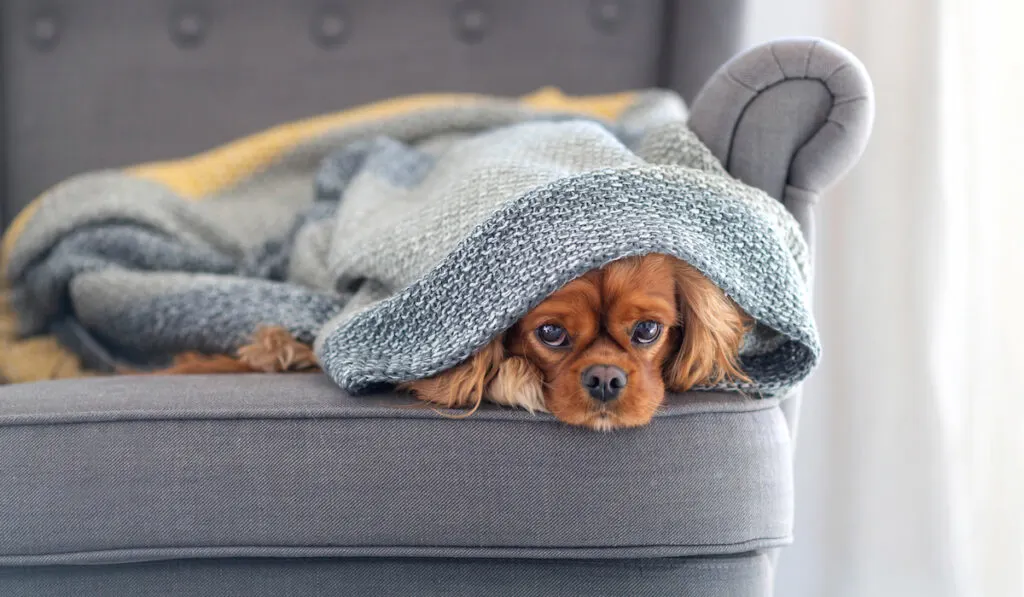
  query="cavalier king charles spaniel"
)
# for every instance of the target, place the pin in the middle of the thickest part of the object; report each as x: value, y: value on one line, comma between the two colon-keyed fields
x: 600, y: 352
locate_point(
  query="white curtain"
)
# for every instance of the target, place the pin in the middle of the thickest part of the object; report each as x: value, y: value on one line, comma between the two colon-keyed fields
x: 910, y: 458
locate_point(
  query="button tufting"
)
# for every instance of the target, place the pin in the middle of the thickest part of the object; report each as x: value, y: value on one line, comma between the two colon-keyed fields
x: 330, y: 27
x: 188, y: 29
x: 44, y: 32
x: 471, y: 21
x: 607, y: 15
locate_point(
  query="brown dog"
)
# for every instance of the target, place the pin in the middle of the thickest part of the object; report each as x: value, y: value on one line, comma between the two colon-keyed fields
x: 600, y: 352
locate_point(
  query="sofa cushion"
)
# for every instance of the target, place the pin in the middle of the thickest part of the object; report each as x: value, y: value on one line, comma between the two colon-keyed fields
x: 145, y: 468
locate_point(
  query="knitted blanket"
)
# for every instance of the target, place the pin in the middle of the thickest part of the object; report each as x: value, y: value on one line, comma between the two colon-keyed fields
x: 400, y: 245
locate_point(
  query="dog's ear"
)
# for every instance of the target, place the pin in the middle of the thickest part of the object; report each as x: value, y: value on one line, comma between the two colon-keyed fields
x: 712, y: 331
x: 519, y: 383
x: 463, y: 385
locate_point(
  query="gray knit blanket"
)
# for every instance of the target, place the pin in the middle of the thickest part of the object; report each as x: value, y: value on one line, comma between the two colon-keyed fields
x: 401, y: 246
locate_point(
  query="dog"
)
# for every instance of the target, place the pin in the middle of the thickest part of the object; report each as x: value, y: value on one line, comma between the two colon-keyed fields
x: 599, y: 353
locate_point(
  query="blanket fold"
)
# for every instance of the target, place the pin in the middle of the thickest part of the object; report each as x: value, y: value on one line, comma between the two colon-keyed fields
x: 402, y: 244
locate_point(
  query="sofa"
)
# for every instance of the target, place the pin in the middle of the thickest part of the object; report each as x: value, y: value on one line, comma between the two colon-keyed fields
x: 284, y: 485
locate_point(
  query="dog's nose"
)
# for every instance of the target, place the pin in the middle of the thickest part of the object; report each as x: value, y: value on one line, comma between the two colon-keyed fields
x: 604, y: 382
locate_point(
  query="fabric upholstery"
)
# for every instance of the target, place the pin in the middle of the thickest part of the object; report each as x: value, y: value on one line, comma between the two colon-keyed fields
x: 130, y: 469
x: 144, y: 88
x: 790, y: 114
x: 696, y: 32
x: 747, y: 575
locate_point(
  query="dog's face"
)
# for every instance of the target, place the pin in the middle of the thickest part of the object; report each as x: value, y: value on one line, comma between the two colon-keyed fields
x: 601, y: 343
x: 601, y: 351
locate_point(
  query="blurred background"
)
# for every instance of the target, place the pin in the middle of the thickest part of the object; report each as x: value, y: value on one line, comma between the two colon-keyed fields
x: 910, y: 453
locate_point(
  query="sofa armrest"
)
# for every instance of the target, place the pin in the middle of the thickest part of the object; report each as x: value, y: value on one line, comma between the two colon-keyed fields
x: 790, y: 117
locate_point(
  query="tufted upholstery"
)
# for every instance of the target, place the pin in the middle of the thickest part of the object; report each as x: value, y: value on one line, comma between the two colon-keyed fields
x: 106, y: 83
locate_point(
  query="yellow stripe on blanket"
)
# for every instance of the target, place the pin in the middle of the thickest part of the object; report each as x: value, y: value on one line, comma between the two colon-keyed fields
x: 204, y: 174
x: 32, y: 359
x: 207, y: 173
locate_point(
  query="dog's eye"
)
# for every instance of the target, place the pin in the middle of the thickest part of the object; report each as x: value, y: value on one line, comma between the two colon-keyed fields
x: 646, y: 332
x: 553, y: 335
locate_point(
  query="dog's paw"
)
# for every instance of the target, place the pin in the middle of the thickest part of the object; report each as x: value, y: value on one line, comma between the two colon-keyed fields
x: 518, y: 383
x: 273, y: 350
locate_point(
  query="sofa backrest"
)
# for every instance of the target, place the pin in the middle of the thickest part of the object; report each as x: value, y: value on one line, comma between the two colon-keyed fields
x: 106, y: 83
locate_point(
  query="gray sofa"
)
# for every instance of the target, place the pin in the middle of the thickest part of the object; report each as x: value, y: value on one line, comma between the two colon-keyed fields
x: 282, y: 485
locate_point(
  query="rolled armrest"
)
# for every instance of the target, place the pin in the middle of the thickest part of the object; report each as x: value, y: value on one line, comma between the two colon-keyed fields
x: 790, y: 117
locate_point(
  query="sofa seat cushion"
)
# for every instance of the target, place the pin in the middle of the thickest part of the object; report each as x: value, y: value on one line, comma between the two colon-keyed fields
x: 130, y: 469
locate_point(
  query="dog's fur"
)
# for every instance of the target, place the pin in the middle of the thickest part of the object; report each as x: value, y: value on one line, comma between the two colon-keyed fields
x: 701, y: 332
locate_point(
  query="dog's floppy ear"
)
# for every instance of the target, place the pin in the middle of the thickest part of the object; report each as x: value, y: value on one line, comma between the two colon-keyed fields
x: 712, y: 331
x: 463, y: 385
